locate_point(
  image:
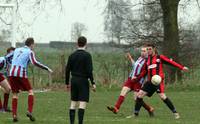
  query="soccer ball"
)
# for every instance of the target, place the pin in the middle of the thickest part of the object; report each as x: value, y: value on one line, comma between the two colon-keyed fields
x: 156, y: 79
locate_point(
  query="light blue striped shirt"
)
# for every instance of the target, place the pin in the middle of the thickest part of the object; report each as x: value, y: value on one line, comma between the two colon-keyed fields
x: 136, y: 68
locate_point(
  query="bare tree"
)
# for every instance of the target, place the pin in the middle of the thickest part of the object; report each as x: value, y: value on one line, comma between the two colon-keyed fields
x: 77, y: 30
x: 116, y: 13
x: 171, y: 44
x: 156, y: 21
x: 30, y: 7
x: 4, y: 34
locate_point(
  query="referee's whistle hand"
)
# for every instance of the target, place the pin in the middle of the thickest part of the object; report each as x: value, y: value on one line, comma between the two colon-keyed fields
x: 68, y: 88
x: 94, y: 88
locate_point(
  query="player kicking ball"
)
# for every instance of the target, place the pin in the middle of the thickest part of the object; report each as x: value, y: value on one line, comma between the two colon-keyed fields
x: 154, y: 66
x: 18, y: 76
x: 129, y: 85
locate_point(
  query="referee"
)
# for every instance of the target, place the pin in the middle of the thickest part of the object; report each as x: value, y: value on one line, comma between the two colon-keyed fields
x: 80, y: 66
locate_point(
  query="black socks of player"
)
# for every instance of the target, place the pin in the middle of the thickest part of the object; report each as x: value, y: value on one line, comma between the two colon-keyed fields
x: 138, y: 105
x: 170, y: 105
x: 72, y: 115
x: 80, y: 115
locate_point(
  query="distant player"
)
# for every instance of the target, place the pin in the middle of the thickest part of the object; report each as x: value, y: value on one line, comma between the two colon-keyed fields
x: 154, y: 66
x: 80, y: 66
x: 4, y: 67
x: 133, y: 86
x: 18, y: 76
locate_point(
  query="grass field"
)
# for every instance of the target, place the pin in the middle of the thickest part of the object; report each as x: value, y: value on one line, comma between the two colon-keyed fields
x: 51, y: 108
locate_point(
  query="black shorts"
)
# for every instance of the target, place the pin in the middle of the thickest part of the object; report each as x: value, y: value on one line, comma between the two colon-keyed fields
x: 150, y: 88
x: 79, y: 89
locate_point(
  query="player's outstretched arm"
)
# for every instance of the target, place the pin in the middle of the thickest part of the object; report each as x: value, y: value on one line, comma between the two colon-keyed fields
x: 130, y: 58
x: 173, y: 63
x: 38, y: 64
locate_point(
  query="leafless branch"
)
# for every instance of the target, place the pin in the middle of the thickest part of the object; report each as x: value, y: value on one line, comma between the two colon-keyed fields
x: 2, y: 20
x: 198, y: 4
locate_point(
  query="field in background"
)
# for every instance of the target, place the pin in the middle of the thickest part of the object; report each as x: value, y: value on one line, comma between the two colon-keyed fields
x: 110, y: 67
x: 110, y: 70
x: 52, y: 107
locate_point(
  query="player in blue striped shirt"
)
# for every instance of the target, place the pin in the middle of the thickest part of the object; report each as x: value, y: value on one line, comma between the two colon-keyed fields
x: 129, y: 85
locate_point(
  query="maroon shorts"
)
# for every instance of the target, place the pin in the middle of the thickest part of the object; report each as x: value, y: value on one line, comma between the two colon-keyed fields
x: 136, y: 86
x: 1, y: 77
x: 18, y: 83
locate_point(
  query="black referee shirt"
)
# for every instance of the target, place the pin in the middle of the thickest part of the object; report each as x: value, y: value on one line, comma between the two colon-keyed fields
x: 80, y: 65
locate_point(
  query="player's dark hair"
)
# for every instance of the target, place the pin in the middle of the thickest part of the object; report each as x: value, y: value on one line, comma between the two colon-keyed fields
x: 82, y: 41
x: 10, y: 49
x: 149, y: 45
x: 29, y: 41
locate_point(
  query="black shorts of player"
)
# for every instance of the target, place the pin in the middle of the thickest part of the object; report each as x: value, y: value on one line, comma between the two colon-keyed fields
x: 79, y: 89
x: 150, y: 88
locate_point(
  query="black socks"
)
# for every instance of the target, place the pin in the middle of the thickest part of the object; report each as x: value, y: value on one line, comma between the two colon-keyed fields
x: 138, y: 105
x: 170, y: 105
x: 80, y: 115
x: 72, y: 115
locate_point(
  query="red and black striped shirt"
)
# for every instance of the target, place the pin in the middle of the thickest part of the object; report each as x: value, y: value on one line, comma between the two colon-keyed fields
x: 154, y: 66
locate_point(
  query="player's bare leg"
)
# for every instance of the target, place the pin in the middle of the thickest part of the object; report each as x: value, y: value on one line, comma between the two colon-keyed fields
x: 30, y: 105
x: 72, y: 111
x: 6, y: 88
x: 1, y: 107
x: 120, y: 100
x: 169, y: 104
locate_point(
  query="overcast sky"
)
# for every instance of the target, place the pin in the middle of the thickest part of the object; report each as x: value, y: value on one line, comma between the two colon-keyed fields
x: 56, y: 26
x: 53, y: 25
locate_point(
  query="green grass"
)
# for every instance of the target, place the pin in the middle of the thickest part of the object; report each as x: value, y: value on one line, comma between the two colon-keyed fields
x: 52, y: 108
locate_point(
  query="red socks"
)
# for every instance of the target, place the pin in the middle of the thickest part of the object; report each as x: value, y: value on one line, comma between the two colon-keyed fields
x: 30, y: 103
x: 119, y: 102
x: 5, y: 102
x: 0, y: 104
x: 14, y: 106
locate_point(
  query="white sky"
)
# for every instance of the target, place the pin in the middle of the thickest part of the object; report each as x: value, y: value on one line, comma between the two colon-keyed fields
x: 54, y: 25
x: 189, y: 15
